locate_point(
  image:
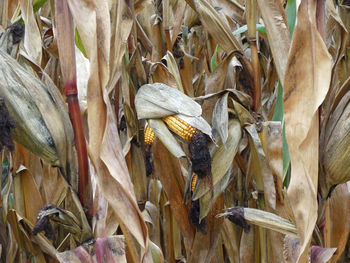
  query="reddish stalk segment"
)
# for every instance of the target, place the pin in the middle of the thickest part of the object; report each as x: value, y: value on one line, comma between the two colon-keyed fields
x: 84, y: 186
x: 66, y: 49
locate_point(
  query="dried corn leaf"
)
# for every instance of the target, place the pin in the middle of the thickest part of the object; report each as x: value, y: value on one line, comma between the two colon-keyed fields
x: 222, y: 158
x: 31, y: 195
x: 157, y: 254
x: 158, y: 100
x: 204, y: 245
x: 220, y: 119
x: 215, y: 84
x: 242, y: 113
x: 216, y: 26
x: 230, y: 240
x: 155, y: 231
x: 160, y: 73
x: 32, y: 38
x: 179, y: 12
x: 261, y: 168
x: 22, y: 230
x: 271, y: 141
x: 136, y: 161
x: 278, y: 35
x: 168, y: 169
x: 306, y: 84
x: 172, y: 66
x: 209, y: 199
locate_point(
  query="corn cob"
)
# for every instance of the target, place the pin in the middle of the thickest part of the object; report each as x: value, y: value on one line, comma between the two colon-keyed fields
x: 180, y: 127
x: 149, y: 135
x: 194, y: 181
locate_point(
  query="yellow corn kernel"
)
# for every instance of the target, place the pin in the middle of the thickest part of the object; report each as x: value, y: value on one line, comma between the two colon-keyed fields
x: 180, y: 127
x: 194, y: 181
x: 149, y: 135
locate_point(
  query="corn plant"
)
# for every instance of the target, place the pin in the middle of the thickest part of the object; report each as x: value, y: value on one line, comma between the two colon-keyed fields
x: 174, y: 131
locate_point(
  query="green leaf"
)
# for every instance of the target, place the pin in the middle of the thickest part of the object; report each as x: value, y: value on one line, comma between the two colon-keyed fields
x: 278, y: 115
x: 260, y: 28
x: 286, y: 159
x: 291, y: 11
x: 213, y: 61
x: 37, y: 4
x: 156, y: 252
x: 79, y: 43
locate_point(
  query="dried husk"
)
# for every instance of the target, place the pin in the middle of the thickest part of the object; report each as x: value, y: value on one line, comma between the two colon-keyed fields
x: 158, y: 100
x: 336, y: 150
x: 42, y: 121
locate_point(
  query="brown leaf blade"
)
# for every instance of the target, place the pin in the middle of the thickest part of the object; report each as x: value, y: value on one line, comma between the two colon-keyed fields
x: 306, y: 83
x: 168, y: 169
x: 216, y: 26
x: 277, y: 32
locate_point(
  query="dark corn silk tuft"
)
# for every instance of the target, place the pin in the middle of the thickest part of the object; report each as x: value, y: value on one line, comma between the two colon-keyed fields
x: 200, y: 156
x: 194, y: 216
x: 6, y: 124
x: 148, y: 160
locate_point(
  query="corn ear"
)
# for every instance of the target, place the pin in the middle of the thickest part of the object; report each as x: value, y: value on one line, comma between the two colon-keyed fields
x: 337, y: 151
x: 194, y: 181
x: 149, y: 135
x: 180, y: 127
x: 42, y: 121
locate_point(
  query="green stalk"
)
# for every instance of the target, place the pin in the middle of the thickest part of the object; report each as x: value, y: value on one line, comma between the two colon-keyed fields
x: 65, y: 41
